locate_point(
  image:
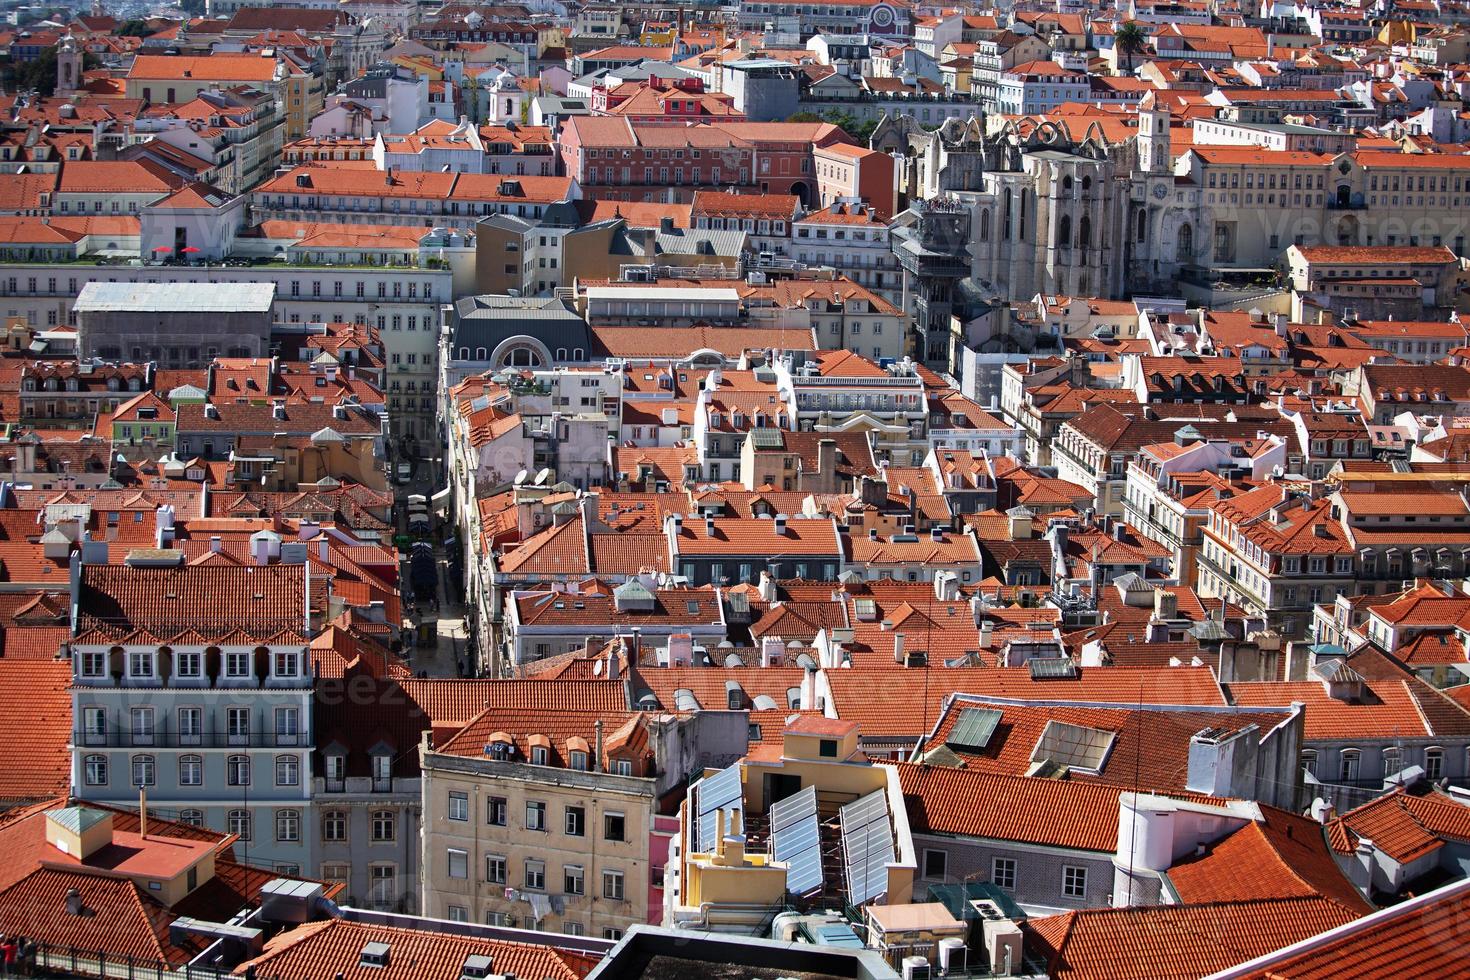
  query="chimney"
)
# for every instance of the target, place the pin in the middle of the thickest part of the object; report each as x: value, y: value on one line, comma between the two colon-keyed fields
x: 1166, y: 604
x: 278, y: 411
x: 720, y: 836
x: 936, y: 534
x: 681, y: 650
x: 827, y: 457
x: 74, y: 904
x: 772, y: 651
x: 709, y: 527
x: 898, y: 648
x: 767, y: 587
x: 597, y: 764
x: 781, y: 525
x: 872, y: 534
x: 987, y: 631
x: 215, y: 543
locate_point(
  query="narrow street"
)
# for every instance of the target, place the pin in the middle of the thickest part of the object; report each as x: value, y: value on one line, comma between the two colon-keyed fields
x: 434, y: 634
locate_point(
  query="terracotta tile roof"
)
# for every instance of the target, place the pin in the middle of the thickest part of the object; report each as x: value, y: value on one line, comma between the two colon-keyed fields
x: 1402, y: 826
x: 326, y: 180
x: 559, y: 550
x: 116, y: 177
x: 261, y: 600
x: 559, y: 731
x: 332, y: 948
x: 1050, y: 812
x: 217, y: 67
x: 812, y: 537
x: 890, y: 701
x: 1150, y: 751
x: 1174, y: 941
x: 454, y: 703
x: 1390, y: 708
x: 37, y: 758
x: 671, y: 608
x: 1403, y: 940
x: 123, y: 922
x: 1283, y: 856
x: 709, y: 684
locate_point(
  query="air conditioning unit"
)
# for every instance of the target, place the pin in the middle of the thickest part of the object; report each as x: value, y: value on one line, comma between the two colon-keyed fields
x: 915, y: 968
x: 1002, y: 943
x: 952, y: 956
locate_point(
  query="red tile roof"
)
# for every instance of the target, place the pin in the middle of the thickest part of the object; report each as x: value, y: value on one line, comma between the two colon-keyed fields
x: 36, y: 729
x: 1402, y: 826
x: 1283, y: 856
x: 891, y: 701
x: 331, y: 948
x: 1405, y: 940
x: 1174, y: 941
x: 1051, y: 812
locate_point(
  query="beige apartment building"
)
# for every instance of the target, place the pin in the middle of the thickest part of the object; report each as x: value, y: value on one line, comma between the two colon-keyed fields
x: 514, y: 843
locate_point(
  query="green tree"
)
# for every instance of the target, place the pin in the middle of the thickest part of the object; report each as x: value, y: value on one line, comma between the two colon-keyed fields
x: 1130, y: 39
x: 39, y: 74
x: 134, y: 28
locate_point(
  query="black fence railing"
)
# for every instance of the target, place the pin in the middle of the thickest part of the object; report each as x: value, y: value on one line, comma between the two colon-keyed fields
x: 203, y: 740
x: 47, y: 959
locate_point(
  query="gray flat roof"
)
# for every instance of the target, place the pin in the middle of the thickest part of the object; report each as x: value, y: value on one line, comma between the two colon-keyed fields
x: 176, y: 297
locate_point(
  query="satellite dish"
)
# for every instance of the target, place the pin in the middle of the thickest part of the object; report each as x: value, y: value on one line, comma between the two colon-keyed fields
x: 521, y: 477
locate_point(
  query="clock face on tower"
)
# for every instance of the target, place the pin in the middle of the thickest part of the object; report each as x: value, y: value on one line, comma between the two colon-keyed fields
x: 881, y: 17
x: 1160, y: 191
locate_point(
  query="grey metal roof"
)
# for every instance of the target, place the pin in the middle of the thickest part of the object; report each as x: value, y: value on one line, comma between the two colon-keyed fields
x: 176, y: 297
x: 487, y: 320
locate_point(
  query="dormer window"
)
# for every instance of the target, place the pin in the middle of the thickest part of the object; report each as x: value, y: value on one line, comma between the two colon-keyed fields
x: 579, y: 761
x: 623, y: 767
x: 237, y: 663
x: 188, y: 663
x: 288, y: 663
x: 140, y: 664
x: 94, y: 663
x: 539, y: 755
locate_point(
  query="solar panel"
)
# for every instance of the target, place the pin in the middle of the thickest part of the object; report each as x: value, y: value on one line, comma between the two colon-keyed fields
x: 974, y: 728
x: 867, y: 847
x: 722, y: 791
x: 1052, y: 668
x: 796, y: 839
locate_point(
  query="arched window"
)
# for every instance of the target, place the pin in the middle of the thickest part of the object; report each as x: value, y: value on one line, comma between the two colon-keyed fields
x: 1434, y: 763
x: 1309, y: 761
x: 1086, y: 183
x: 1066, y: 185
x: 1064, y: 232
x: 479, y: 353
x: 1142, y: 233
x: 1349, y: 765
x: 191, y: 770
x: 1084, y: 232
x: 95, y: 770
x: 1392, y: 760
x: 985, y: 225
x: 1005, y: 231
x: 237, y: 770
x: 192, y: 817
x: 145, y: 770
x: 238, y: 823
x: 1184, y: 251
x: 288, y: 770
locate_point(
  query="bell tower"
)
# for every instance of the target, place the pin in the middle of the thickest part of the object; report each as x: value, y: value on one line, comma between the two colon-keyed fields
x: 1153, y: 136
x: 68, y: 67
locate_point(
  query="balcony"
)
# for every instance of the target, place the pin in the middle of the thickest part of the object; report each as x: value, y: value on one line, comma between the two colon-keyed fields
x: 201, y: 740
